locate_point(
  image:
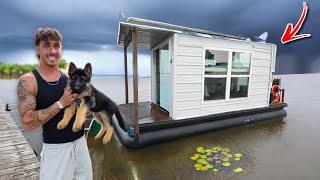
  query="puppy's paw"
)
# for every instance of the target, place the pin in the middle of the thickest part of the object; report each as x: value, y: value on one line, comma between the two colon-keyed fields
x: 100, y: 134
x: 108, y: 135
x: 76, y: 127
x: 62, y: 124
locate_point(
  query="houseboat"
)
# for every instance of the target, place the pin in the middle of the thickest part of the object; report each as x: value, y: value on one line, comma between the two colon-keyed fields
x: 201, y: 81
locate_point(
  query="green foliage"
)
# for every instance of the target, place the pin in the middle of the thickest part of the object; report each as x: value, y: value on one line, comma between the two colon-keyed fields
x: 12, y: 71
x: 63, y: 64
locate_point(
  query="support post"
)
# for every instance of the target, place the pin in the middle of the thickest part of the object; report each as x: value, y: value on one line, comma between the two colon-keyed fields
x: 135, y: 84
x: 126, y: 74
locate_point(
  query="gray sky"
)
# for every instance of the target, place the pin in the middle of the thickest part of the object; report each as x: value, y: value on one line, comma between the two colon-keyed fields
x: 89, y: 28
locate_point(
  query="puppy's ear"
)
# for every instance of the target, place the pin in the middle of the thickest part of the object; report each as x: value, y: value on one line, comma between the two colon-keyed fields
x: 72, y: 68
x: 88, y: 70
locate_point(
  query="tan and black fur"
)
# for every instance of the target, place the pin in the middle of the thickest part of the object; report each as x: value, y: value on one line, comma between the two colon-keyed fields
x: 89, y: 99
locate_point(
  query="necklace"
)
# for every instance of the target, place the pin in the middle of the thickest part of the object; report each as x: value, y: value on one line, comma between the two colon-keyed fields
x: 51, y: 84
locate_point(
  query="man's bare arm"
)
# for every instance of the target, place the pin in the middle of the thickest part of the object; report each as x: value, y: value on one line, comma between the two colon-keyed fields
x: 27, y: 104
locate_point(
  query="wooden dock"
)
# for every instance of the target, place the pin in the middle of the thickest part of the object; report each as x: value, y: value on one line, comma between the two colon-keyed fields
x: 17, y: 159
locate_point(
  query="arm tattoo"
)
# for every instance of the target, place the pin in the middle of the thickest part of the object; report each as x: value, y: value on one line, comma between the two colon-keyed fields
x: 27, y: 106
x: 44, y: 115
x: 26, y: 103
x: 26, y: 100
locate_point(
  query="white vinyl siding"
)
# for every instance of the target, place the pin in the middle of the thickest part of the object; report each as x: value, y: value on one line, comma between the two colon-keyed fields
x: 189, y: 77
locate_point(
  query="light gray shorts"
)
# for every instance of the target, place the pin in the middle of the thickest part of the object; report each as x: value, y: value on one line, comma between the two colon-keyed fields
x: 66, y: 161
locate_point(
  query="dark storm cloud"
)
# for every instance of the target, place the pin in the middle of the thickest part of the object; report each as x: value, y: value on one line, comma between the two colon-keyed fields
x: 82, y: 27
x: 249, y: 18
x: 93, y: 25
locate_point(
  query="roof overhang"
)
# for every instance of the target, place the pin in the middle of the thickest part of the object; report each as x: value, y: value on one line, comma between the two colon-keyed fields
x: 147, y: 36
x: 151, y: 33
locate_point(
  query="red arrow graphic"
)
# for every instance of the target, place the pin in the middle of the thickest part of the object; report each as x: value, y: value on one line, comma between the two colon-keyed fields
x: 290, y: 32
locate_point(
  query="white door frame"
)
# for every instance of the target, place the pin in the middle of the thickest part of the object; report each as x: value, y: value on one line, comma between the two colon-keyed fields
x: 153, y: 72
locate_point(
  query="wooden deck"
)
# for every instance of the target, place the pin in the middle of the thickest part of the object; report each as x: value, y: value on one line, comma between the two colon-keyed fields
x: 148, y: 113
x: 17, y: 159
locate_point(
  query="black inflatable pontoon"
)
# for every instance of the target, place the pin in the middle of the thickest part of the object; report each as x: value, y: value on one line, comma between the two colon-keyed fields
x: 168, y: 130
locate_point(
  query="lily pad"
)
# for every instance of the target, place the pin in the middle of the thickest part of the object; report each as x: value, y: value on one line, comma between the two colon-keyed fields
x: 238, y: 155
x: 225, y: 149
x: 225, y: 159
x: 216, y: 148
x: 203, y: 156
x: 193, y: 158
x: 216, y: 158
x: 204, y: 168
x: 224, y: 153
x: 238, y: 170
x: 209, y: 159
x: 202, y: 161
x: 226, y: 164
x: 209, y: 150
x: 200, y: 149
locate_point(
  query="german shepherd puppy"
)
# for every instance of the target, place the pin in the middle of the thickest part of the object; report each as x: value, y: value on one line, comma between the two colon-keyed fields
x: 89, y: 99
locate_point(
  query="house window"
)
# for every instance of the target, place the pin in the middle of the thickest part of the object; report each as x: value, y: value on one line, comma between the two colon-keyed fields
x: 240, y: 74
x: 216, y: 62
x: 240, y: 63
x: 221, y: 82
x: 216, y: 70
x: 215, y: 88
x: 239, y: 87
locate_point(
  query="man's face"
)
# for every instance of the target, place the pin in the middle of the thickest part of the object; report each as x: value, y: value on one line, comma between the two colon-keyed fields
x: 49, y: 52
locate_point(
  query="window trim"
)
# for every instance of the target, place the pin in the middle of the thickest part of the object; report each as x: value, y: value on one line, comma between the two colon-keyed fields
x: 228, y: 76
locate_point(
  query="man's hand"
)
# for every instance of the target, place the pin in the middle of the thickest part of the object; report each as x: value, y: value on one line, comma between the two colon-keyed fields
x: 67, y: 97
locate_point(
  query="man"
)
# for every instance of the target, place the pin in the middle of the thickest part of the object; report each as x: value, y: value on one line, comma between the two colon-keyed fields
x: 41, y: 100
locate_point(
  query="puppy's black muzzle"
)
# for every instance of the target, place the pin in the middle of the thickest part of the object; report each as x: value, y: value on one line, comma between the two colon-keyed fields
x: 77, y: 90
x: 77, y: 86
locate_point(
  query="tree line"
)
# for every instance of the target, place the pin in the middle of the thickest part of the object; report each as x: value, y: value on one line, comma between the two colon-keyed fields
x: 14, y: 71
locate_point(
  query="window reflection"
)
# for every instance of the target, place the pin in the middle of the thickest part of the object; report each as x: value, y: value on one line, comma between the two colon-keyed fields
x: 216, y: 62
x: 239, y: 87
x: 214, y: 88
x: 240, y: 63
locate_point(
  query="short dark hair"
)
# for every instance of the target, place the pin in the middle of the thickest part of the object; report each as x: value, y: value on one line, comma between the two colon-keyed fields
x: 45, y: 34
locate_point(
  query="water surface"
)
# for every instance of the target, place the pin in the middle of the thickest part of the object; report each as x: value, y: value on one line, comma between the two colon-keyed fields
x: 285, y: 148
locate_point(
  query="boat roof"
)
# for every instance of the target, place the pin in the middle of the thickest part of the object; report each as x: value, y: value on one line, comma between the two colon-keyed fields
x: 151, y: 33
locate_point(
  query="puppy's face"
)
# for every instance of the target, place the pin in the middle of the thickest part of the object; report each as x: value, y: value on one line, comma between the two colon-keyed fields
x: 79, y: 78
